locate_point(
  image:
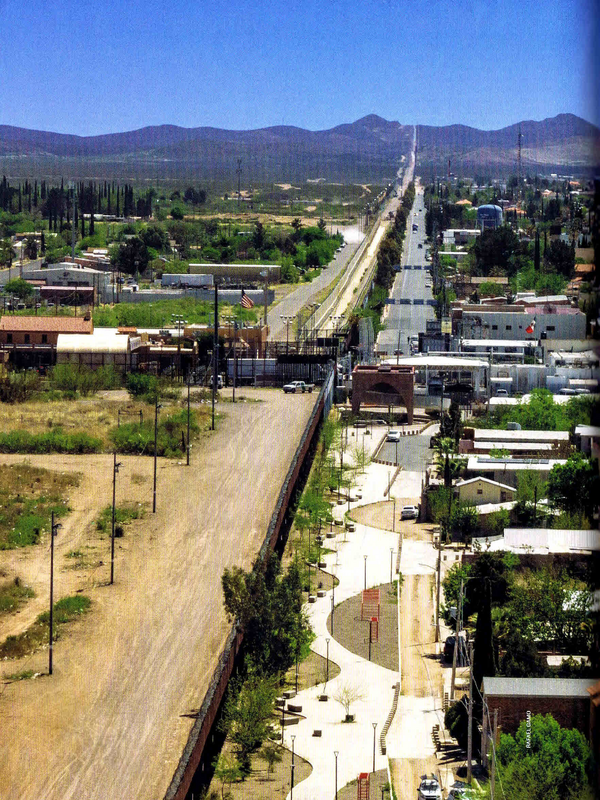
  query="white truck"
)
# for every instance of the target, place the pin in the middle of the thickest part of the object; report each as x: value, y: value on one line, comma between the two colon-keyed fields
x: 298, y: 386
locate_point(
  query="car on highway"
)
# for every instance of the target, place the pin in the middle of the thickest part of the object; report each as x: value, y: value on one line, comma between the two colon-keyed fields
x: 409, y: 512
x: 420, y: 245
x: 393, y: 436
x: 429, y: 788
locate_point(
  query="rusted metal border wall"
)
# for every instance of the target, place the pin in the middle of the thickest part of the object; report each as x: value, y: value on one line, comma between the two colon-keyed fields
x: 192, y: 754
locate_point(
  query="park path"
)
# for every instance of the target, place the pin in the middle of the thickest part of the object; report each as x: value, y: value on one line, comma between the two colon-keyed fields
x: 409, y: 744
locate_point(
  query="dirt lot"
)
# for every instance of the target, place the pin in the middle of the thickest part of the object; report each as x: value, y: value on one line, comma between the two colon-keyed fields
x: 110, y: 723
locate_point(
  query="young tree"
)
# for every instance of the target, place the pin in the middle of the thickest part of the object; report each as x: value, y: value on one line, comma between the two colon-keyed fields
x: 271, y: 754
x: 227, y: 771
x: 346, y: 695
x: 246, y: 717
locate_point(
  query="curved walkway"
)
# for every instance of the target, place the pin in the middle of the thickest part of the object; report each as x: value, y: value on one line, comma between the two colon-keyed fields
x: 353, y: 742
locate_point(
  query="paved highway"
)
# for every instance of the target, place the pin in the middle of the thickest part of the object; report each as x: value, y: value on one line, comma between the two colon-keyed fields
x: 411, y: 291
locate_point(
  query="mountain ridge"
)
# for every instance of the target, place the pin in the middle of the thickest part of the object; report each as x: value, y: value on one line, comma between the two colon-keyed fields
x: 369, y: 148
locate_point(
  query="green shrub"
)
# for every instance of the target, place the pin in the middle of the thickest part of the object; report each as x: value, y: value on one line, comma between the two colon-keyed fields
x: 55, y: 441
x: 12, y: 595
x: 36, y: 636
x: 123, y: 515
x: 73, y: 380
x: 138, y: 439
x: 140, y: 385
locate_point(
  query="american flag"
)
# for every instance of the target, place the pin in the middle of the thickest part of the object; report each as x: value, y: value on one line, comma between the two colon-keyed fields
x: 247, y: 302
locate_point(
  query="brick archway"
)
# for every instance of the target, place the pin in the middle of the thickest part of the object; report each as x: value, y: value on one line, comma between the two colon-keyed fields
x: 383, y: 385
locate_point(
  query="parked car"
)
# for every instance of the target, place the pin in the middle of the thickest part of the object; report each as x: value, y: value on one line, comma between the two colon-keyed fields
x: 420, y: 245
x: 429, y: 788
x: 501, y: 392
x: 409, y: 512
x: 298, y: 386
x: 393, y: 436
x: 460, y: 791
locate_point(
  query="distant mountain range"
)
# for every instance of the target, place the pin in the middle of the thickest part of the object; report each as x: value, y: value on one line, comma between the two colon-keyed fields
x: 564, y: 143
x: 368, y: 150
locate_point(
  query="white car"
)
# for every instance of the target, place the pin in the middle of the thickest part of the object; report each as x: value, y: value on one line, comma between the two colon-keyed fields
x: 393, y: 436
x: 409, y: 512
x: 430, y: 789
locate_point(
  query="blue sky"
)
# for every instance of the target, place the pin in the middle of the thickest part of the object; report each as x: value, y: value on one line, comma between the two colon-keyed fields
x: 90, y: 68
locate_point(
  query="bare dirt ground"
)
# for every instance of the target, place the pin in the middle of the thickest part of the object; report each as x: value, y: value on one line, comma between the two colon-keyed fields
x: 112, y: 720
x: 420, y: 667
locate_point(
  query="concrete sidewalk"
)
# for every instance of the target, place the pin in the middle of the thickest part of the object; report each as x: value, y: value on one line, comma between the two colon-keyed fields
x: 352, y: 741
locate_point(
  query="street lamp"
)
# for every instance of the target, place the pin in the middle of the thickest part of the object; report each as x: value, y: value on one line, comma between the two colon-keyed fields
x: 336, y: 754
x: 116, y: 465
x: 374, y: 724
x: 391, y: 564
x: 365, y: 558
x: 327, y: 667
x: 53, y: 531
x: 179, y: 321
x: 287, y: 320
x: 293, y: 767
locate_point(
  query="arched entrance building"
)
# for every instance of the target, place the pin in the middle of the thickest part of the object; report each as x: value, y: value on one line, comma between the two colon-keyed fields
x: 383, y: 385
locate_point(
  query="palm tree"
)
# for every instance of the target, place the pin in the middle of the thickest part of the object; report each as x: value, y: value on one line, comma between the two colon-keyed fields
x: 447, y: 462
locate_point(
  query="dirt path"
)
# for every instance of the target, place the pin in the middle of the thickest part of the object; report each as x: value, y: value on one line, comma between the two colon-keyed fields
x: 108, y: 724
x: 421, y: 678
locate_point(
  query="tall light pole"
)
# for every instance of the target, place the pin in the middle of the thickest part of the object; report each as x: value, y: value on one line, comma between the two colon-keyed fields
x: 215, y: 357
x: 327, y: 667
x: 156, y: 407
x: 336, y: 754
x: 365, y: 558
x: 293, y: 738
x: 187, y: 449
x: 53, y: 531
x: 374, y: 724
x: 116, y: 465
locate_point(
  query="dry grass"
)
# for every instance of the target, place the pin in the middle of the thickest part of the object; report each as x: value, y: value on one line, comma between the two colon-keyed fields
x: 95, y: 416
x: 28, y: 495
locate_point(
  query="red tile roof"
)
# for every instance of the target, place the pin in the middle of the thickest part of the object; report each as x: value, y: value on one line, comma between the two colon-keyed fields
x: 57, y: 324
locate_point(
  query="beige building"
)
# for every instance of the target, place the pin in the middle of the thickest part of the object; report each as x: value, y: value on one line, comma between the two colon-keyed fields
x: 480, y: 491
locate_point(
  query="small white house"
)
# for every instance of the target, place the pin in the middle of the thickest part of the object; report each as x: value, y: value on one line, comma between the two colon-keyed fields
x: 481, y: 491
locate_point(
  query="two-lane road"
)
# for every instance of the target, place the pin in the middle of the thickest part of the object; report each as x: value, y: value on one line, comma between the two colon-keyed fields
x: 411, y: 293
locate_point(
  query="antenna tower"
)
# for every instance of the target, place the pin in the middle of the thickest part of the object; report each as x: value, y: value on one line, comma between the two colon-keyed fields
x: 519, y: 137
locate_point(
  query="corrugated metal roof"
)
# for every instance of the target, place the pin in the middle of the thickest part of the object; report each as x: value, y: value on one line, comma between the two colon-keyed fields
x: 554, y: 540
x: 103, y: 340
x: 538, y: 687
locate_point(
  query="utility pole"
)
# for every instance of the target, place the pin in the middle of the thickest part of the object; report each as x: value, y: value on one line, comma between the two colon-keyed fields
x: 493, y: 772
x: 234, y: 356
x: 116, y: 466
x: 455, y: 653
x: 215, y: 358
x: 439, y: 583
x: 53, y: 531
x: 156, y: 407
x: 187, y: 449
x: 470, y: 725
x: 239, y: 174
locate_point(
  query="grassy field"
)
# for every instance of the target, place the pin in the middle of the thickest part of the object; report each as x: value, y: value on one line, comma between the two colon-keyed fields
x: 65, y: 610
x: 28, y: 496
x: 13, y: 594
x: 96, y: 416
